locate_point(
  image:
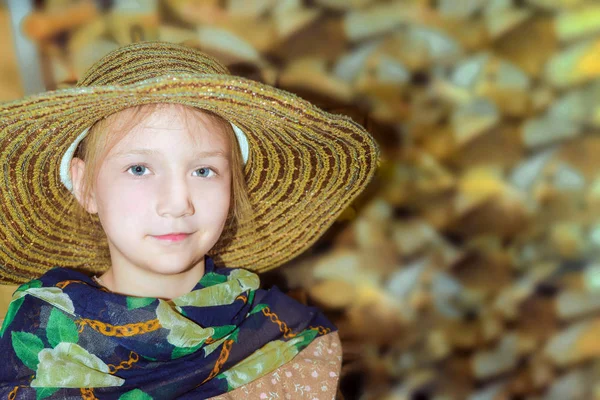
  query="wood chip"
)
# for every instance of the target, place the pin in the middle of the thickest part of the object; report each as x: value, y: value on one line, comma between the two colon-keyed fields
x: 350, y: 65
x: 253, y: 9
x: 473, y: 119
x: 291, y: 19
x: 333, y: 294
x: 529, y: 45
x: 572, y: 385
x: 544, y: 131
x: 462, y: 10
x: 345, y: 4
x: 557, y: 4
x: 479, y: 185
x: 228, y: 45
x: 378, y: 19
x: 502, y: 359
x: 568, y: 239
x: 578, y: 23
x: 204, y: 12
x: 312, y: 74
x: 43, y: 25
x: 575, y: 65
x: 91, y: 52
x: 499, y: 23
x: 412, y: 237
x: 574, y: 344
x: 571, y: 304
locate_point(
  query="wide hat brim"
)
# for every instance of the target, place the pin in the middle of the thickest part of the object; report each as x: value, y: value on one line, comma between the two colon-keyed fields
x: 305, y: 166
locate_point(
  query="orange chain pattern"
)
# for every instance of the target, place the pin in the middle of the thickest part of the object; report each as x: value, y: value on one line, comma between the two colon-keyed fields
x: 133, y: 358
x: 64, y: 284
x: 210, y: 340
x: 119, y: 330
x: 287, y: 332
x: 242, y: 298
x: 225, y: 350
x: 88, y: 394
x: 322, y: 331
x: 13, y: 394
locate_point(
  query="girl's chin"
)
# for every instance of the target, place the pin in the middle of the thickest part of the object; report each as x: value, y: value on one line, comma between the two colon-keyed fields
x: 170, y: 267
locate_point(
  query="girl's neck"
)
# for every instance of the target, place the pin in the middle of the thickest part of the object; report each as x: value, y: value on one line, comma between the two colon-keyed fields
x: 143, y: 283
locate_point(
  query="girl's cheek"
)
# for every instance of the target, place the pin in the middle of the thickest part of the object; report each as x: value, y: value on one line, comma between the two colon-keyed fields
x: 134, y: 198
x: 214, y: 198
x: 124, y: 198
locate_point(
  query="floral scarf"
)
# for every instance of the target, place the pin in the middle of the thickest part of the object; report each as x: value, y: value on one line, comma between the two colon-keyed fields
x: 66, y: 337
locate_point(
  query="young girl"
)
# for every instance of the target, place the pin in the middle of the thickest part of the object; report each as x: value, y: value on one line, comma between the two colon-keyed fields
x: 122, y: 201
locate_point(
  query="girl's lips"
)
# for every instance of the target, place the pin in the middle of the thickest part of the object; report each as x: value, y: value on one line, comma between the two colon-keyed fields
x: 173, y: 237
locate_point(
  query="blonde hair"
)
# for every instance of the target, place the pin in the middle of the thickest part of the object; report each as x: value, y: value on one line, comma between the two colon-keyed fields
x: 107, y: 132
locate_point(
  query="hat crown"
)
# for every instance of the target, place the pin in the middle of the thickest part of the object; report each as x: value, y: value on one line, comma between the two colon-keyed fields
x: 146, y: 60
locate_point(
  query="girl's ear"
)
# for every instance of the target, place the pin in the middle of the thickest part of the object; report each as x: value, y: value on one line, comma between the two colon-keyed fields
x: 77, y: 177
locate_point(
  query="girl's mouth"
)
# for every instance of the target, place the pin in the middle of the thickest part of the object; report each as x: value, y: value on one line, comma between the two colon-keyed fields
x: 172, y: 237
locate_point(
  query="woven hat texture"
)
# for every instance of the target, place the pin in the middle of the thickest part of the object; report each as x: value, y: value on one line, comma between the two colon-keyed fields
x: 305, y: 165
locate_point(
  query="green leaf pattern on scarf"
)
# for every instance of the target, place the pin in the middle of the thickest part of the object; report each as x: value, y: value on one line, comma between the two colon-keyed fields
x: 36, y: 283
x: 42, y: 393
x: 10, y: 314
x: 15, y: 304
x: 61, y: 329
x: 257, y: 308
x: 27, y: 347
x: 238, y: 282
x: 135, y: 394
x: 304, y: 338
x: 264, y: 360
x: 138, y: 302
x: 212, y: 278
x: 179, y: 352
x: 209, y: 348
x: 69, y: 365
x: 51, y: 295
x: 183, y: 332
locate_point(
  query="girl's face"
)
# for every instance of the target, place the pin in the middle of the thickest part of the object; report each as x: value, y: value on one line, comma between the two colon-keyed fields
x: 162, y: 193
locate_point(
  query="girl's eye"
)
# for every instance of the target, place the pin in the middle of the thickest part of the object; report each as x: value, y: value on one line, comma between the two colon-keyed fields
x: 137, y: 170
x: 203, y: 172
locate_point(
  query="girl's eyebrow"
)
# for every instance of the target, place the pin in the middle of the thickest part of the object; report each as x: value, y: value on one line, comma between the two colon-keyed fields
x: 135, y: 152
x: 152, y: 152
x: 211, y: 154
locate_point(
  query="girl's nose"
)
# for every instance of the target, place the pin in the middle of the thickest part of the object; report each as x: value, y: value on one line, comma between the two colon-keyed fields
x: 174, y: 200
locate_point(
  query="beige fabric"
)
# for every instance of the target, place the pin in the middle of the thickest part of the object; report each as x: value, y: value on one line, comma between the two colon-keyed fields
x: 313, y: 374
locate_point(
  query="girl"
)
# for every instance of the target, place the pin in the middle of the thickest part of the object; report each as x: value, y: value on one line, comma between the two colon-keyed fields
x: 157, y: 168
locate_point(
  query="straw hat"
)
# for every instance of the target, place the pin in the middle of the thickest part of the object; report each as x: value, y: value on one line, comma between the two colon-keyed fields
x: 304, y: 165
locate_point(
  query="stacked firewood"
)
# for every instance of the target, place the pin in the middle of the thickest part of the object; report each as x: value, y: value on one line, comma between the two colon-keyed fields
x: 10, y: 87
x: 469, y: 268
